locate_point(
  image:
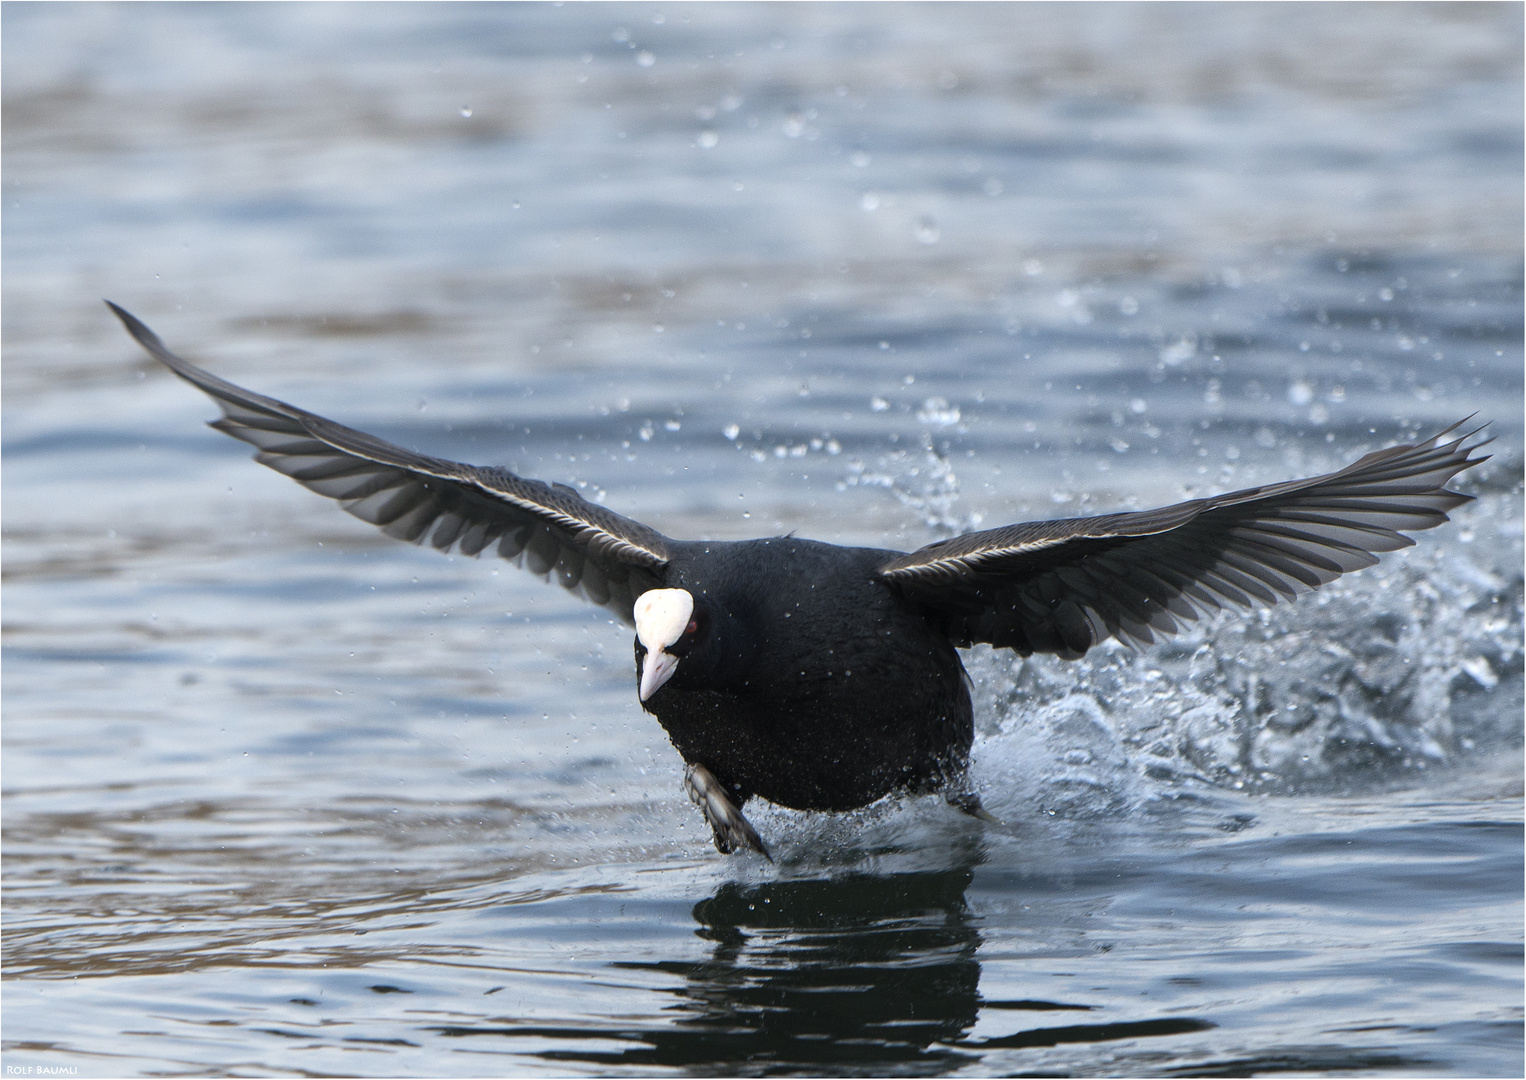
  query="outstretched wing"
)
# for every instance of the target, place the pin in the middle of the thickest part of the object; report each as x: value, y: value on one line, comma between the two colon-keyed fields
x: 1063, y: 586
x: 607, y: 558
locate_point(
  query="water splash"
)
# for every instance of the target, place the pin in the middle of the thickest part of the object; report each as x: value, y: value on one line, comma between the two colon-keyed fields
x: 922, y: 479
x: 1411, y: 666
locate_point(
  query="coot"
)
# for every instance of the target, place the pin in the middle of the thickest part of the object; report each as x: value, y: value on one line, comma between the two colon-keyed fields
x: 821, y: 677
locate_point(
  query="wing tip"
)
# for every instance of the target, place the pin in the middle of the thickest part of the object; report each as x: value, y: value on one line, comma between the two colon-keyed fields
x: 1455, y: 445
x: 136, y: 327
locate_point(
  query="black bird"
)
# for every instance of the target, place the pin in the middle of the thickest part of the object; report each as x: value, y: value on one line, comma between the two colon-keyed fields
x: 822, y: 677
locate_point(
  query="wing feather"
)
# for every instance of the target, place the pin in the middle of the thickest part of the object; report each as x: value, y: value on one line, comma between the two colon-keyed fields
x: 608, y: 558
x: 1063, y: 586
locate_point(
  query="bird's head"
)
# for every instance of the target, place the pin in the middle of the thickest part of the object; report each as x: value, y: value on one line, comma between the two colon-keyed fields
x: 668, y: 623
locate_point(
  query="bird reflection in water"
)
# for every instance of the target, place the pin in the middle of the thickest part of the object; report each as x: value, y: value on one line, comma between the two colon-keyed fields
x: 869, y: 974
x: 875, y: 974
x: 858, y: 969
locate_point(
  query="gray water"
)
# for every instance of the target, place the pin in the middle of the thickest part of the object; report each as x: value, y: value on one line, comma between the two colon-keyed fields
x: 283, y: 797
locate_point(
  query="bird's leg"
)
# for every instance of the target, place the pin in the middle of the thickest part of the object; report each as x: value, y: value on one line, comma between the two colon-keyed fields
x: 969, y: 802
x: 732, y: 830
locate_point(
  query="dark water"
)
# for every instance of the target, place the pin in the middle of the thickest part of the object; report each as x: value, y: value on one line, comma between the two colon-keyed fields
x: 284, y: 797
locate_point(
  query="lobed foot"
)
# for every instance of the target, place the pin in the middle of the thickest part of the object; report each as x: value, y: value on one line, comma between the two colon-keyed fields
x: 732, y: 830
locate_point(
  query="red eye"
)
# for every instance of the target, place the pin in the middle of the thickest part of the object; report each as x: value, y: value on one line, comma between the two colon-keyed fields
x: 693, y: 626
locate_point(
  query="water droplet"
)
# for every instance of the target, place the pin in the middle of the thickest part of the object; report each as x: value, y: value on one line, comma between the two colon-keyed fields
x: 645, y: 59
x: 937, y: 412
x: 1179, y: 351
x: 1300, y: 392
x: 927, y: 231
x: 859, y: 159
x: 731, y: 431
x: 879, y: 404
x: 466, y: 112
x: 869, y: 201
x: 707, y: 140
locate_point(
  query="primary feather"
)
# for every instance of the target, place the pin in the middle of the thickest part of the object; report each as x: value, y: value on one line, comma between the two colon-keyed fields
x: 1063, y: 586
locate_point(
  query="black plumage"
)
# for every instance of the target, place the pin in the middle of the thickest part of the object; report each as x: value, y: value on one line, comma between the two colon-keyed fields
x: 822, y: 677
